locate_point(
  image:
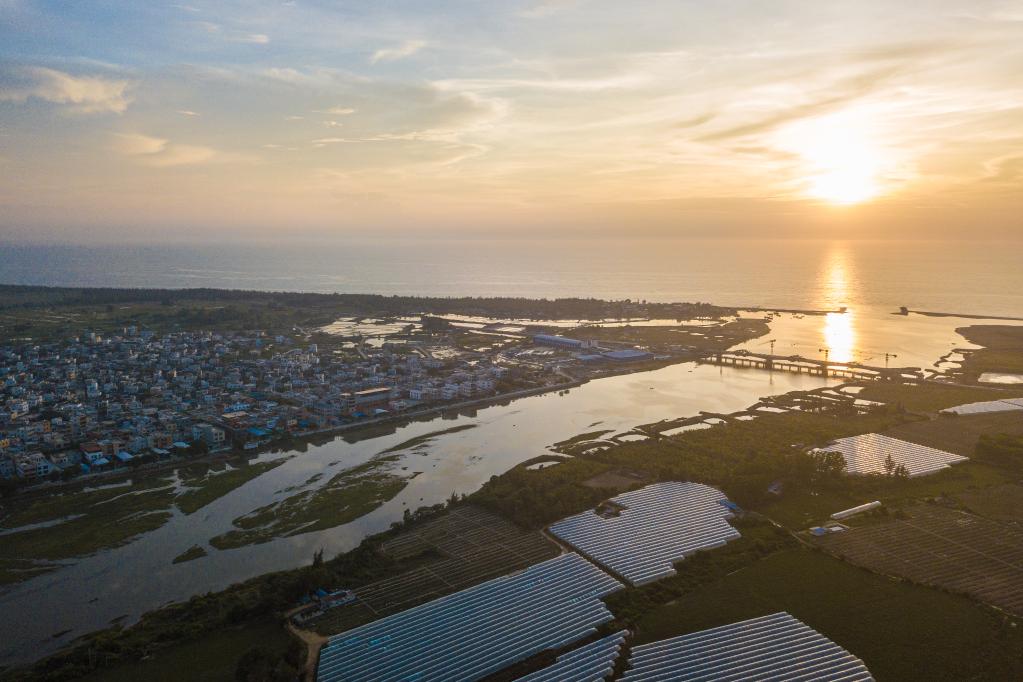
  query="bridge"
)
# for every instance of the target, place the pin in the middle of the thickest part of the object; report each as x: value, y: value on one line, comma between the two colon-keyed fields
x: 801, y: 365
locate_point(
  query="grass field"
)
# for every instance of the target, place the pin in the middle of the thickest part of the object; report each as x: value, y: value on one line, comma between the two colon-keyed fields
x: 799, y: 509
x: 958, y: 434
x: 932, y: 397
x: 901, y: 631
x: 1002, y: 503
x: 210, y: 659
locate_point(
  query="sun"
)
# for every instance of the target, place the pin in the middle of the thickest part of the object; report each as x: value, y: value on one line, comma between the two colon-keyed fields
x: 841, y: 162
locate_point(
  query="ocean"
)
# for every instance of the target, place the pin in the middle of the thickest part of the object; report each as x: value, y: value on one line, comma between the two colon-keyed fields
x: 962, y: 276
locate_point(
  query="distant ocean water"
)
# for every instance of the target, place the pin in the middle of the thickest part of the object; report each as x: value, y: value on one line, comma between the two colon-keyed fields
x: 965, y: 277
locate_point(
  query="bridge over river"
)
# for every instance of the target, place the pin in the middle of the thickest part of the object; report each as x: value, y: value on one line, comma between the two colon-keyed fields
x: 801, y: 365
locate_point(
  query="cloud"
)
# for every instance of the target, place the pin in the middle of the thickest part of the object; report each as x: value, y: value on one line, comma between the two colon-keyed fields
x: 160, y: 153
x: 82, y: 94
x: 340, y: 111
x: 187, y: 112
x: 254, y: 38
x: 390, y: 54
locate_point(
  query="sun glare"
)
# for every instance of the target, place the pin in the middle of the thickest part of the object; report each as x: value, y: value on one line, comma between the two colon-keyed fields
x: 842, y: 161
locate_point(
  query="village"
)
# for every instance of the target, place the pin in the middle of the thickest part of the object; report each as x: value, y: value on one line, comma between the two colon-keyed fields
x: 106, y: 402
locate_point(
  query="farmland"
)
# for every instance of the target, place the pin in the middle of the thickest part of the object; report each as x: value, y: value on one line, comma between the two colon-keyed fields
x: 943, y: 547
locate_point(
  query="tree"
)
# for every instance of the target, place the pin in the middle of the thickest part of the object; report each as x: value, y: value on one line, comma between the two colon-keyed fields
x: 889, y: 465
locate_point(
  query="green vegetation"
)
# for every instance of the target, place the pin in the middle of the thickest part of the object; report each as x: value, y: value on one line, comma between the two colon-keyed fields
x: 211, y: 658
x: 1002, y: 503
x: 214, y: 485
x: 193, y: 552
x: 901, y: 631
x: 344, y: 498
x: 95, y: 520
x: 536, y: 498
x: 48, y: 312
x: 1002, y: 450
x: 579, y: 444
x: 930, y: 397
x: 959, y: 434
x: 699, y: 338
x: 1002, y: 351
x: 16, y: 570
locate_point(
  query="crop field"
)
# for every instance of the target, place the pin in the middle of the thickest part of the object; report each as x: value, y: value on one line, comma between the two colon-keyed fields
x: 473, y: 545
x: 942, y: 547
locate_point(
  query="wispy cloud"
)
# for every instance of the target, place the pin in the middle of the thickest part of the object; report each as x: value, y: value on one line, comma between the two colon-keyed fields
x: 161, y: 153
x: 187, y: 112
x: 83, y: 94
x: 390, y: 54
x: 254, y: 38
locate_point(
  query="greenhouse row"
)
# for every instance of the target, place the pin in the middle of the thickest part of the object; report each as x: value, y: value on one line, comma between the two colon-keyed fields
x: 478, y: 631
x: 983, y: 407
x: 867, y: 454
x: 775, y: 647
x: 588, y: 663
x: 654, y: 527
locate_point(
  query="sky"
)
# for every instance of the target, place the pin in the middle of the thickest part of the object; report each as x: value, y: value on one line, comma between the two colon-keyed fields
x: 199, y: 120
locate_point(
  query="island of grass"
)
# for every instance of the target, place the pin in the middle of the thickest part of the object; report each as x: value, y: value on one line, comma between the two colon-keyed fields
x: 211, y: 485
x: 72, y: 524
x: 190, y: 554
x: 426, y: 438
x: 344, y: 498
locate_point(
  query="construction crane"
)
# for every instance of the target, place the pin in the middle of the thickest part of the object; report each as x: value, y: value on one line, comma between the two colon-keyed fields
x: 826, y: 351
x: 772, y: 341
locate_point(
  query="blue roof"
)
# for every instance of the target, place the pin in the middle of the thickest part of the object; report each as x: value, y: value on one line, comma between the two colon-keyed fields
x: 125, y: 456
x: 101, y: 461
x: 628, y: 354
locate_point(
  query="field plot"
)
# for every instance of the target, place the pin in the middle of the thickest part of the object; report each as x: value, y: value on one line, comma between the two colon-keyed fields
x: 867, y: 454
x: 474, y: 545
x: 643, y: 533
x: 942, y: 547
x: 775, y: 647
x: 478, y: 631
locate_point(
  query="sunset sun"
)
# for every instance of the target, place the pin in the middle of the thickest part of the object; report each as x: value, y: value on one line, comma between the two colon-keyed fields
x: 841, y: 162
